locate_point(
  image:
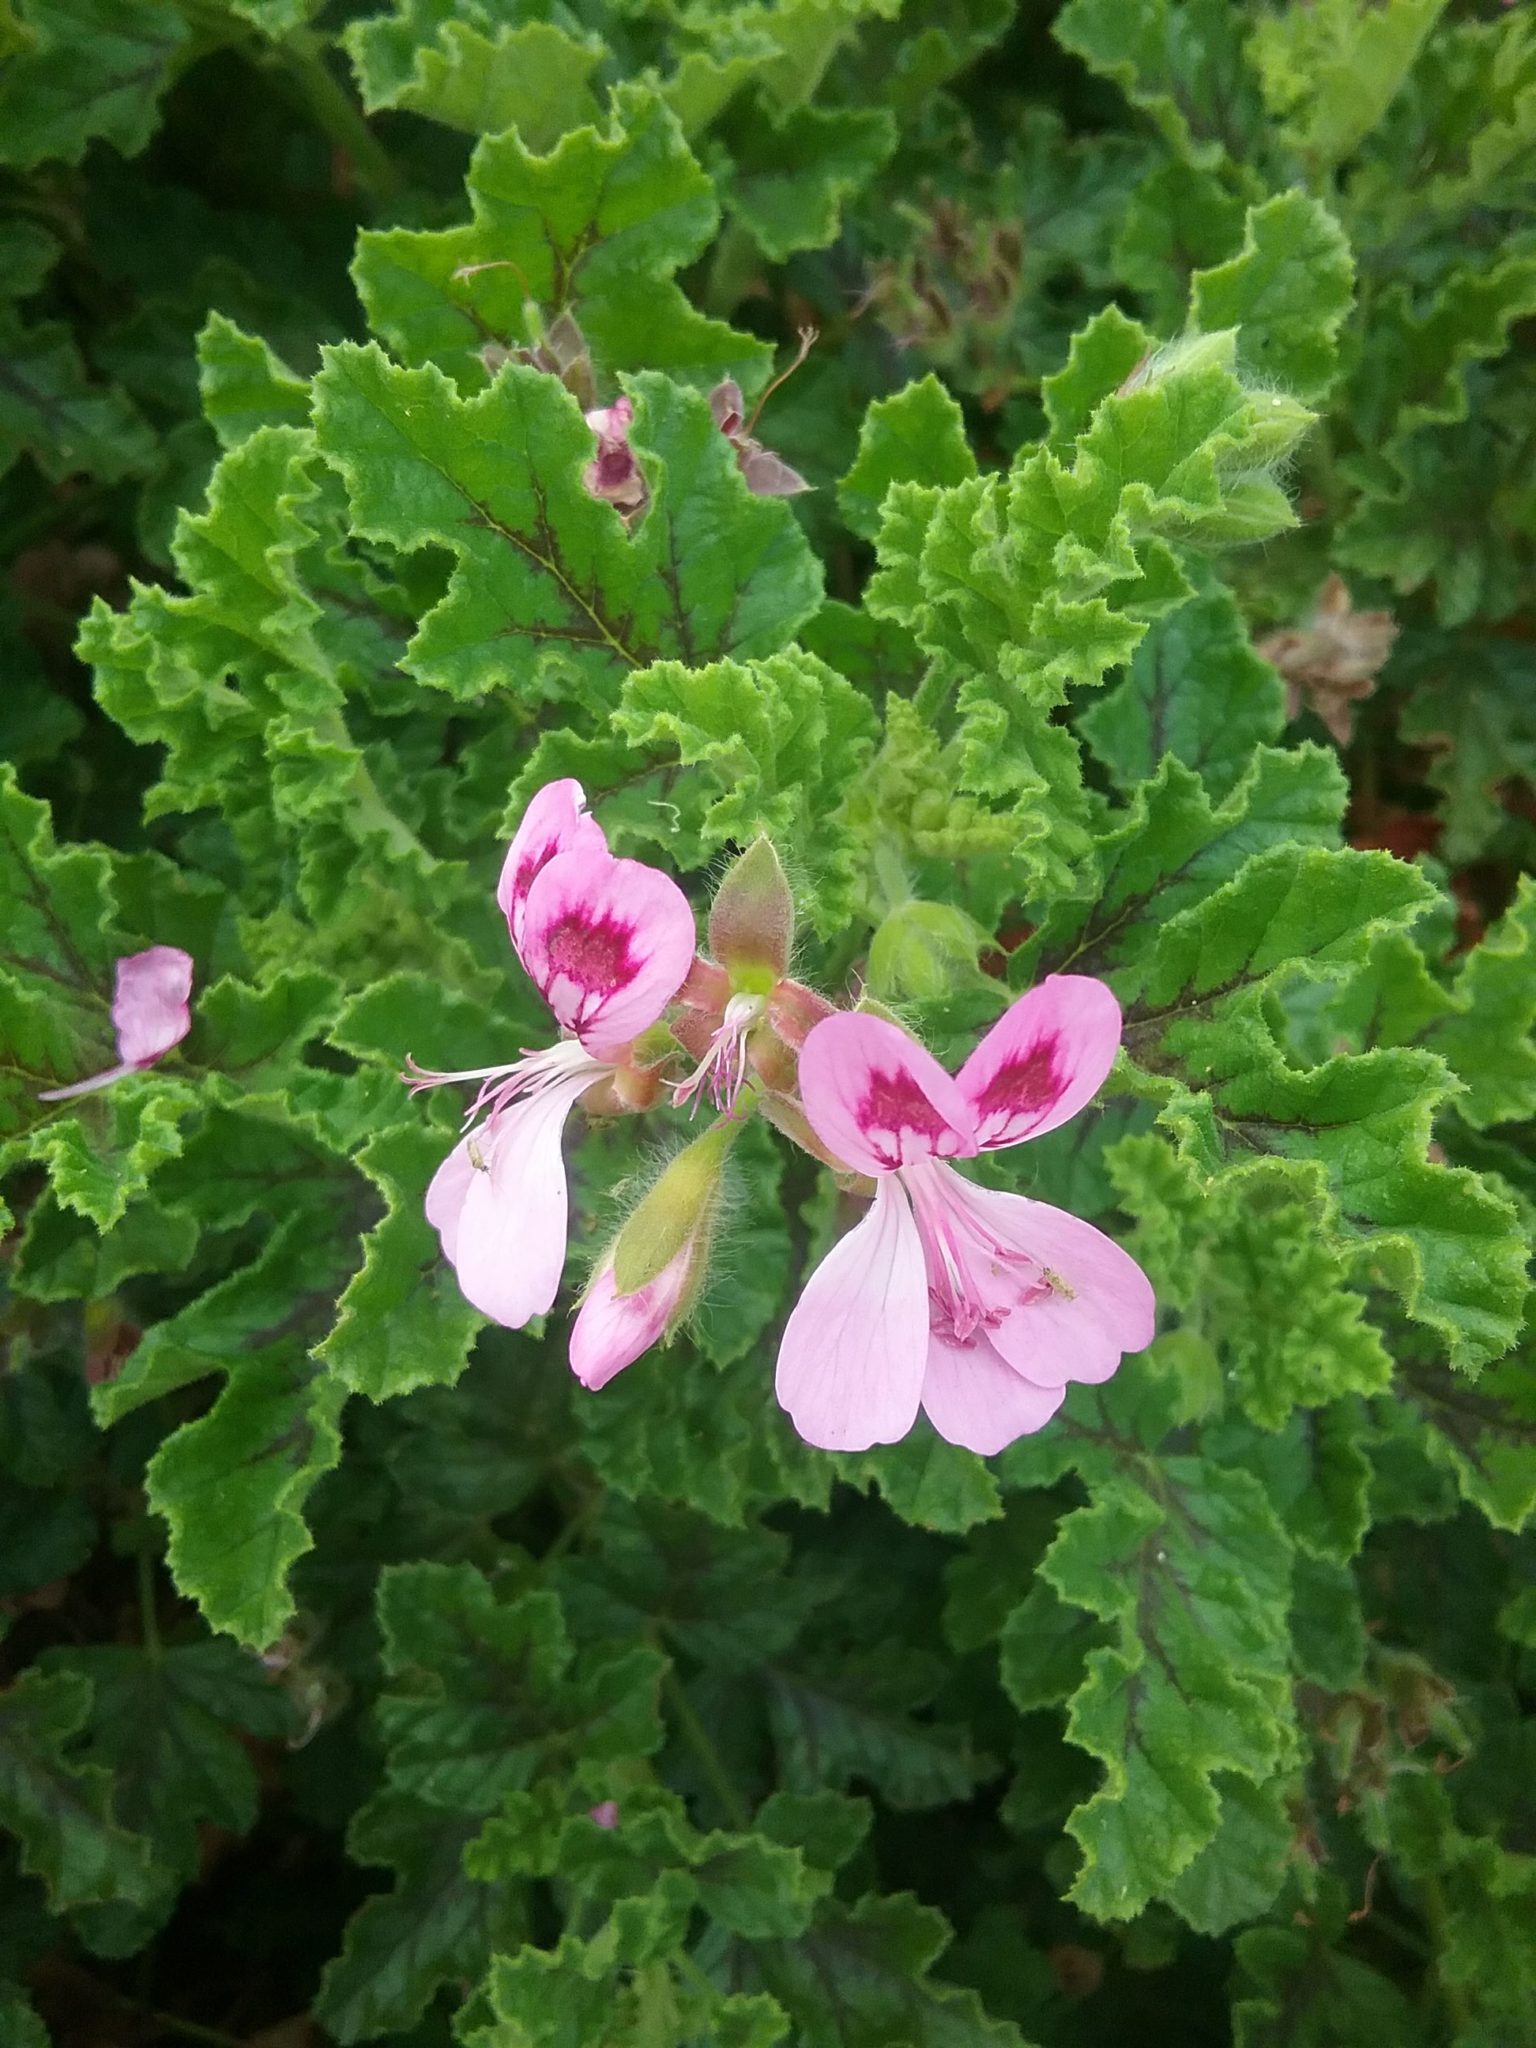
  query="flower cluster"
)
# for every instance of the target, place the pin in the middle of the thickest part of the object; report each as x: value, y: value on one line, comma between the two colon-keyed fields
x: 977, y: 1306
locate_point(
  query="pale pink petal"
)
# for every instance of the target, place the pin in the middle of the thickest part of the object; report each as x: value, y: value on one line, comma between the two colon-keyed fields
x: 726, y: 404
x: 150, y: 1014
x: 555, y: 821
x: 1042, y: 1060
x: 149, y: 1007
x: 972, y: 1398
x: 509, y: 1248
x: 769, y: 475
x: 91, y: 1086
x: 612, y: 1330
x: 1083, y: 1301
x: 877, y: 1099
x: 446, y: 1193
x: 609, y: 943
x: 851, y: 1360
x: 611, y: 423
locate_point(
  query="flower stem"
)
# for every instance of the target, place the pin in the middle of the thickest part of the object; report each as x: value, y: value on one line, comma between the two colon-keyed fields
x: 337, y: 115
x: 149, y: 1622
x: 692, y: 1730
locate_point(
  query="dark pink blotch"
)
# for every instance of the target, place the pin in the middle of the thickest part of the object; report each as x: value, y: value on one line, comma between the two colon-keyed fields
x: 893, y: 1103
x: 1024, y: 1084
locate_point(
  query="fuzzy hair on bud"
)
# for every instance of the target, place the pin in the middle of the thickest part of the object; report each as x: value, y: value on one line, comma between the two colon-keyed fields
x: 752, y: 919
x: 680, y: 1207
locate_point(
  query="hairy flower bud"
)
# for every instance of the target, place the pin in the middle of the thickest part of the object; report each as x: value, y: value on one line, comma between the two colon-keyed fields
x: 677, y: 1211
x: 752, y: 920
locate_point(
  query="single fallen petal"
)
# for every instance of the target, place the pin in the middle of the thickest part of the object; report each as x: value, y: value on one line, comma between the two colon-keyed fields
x: 854, y: 1350
x: 1043, y: 1059
x: 150, y: 1013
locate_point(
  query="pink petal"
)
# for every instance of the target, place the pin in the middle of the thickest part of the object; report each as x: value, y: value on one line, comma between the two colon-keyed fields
x: 769, y: 475
x: 89, y: 1086
x: 509, y: 1243
x: 612, y: 1330
x: 972, y: 1398
x: 609, y: 943
x: 877, y: 1099
x: 1042, y: 1060
x: 150, y: 1004
x: 446, y: 1195
x: 1094, y: 1305
x: 611, y: 423
x: 852, y: 1356
x: 555, y: 821
x: 726, y: 403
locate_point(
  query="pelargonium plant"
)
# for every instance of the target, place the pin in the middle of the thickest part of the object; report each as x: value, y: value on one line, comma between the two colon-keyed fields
x: 767, y: 977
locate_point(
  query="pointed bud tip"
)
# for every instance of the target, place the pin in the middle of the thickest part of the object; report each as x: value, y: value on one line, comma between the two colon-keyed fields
x: 752, y: 919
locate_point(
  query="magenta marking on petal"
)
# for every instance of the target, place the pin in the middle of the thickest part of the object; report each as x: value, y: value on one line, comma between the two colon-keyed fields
x: 1027, y: 1082
x: 894, y: 1102
x: 597, y: 957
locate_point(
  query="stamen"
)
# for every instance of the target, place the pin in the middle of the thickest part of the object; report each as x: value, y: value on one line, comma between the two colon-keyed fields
x: 722, y: 1072
x: 964, y: 1255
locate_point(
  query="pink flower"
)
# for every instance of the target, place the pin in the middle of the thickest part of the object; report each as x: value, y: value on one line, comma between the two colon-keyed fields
x: 768, y: 475
x: 608, y: 943
x: 615, y: 476
x: 149, y: 1012
x: 612, y: 1329
x: 977, y: 1306
x: 605, y: 1814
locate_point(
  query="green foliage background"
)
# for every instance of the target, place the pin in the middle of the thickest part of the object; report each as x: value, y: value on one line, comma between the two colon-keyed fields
x: 1203, y: 1717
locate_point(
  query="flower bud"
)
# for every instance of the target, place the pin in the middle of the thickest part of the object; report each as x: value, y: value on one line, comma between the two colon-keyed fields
x: 611, y: 1330
x: 677, y: 1213
x: 922, y: 950
x: 752, y: 920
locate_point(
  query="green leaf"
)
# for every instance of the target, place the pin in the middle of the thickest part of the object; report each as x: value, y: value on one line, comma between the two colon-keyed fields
x: 766, y: 747
x: 1193, y: 1572
x: 62, y: 1814
x: 232, y: 1488
x: 1063, y: 563
x: 831, y: 1728
x: 1183, y: 64
x: 1289, y: 289
x: 860, y: 1979
x: 1485, y: 1436
x: 724, y: 1596
x: 1196, y: 690
x: 547, y: 575
x: 1470, y: 709
x: 401, y: 1322
x: 793, y: 175
x: 479, y: 76
x: 916, y: 436
x: 435, y: 1926
x: 596, y: 228
x: 1330, y: 71
x: 163, y: 1724
x: 52, y: 410
x: 1486, y: 1039
x: 1295, y: 1979
x: 91, y: 69
x: 244, y: 384
x: 1255, y: 1275
x: 481, y: 1691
